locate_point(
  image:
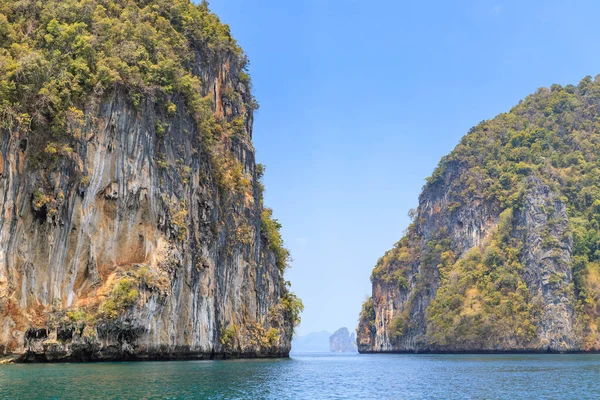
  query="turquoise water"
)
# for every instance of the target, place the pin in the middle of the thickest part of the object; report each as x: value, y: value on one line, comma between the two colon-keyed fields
x: 320, y: 376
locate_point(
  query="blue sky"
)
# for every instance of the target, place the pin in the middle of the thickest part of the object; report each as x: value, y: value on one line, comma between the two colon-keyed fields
x: 359, y: 101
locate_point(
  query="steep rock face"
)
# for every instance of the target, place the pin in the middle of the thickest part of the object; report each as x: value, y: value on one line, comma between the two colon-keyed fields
x: 142, y: 239
x: 548, y: 265
x: 502, y: 251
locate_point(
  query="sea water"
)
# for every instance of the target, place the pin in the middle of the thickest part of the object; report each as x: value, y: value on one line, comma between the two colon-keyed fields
x: 315, y: 376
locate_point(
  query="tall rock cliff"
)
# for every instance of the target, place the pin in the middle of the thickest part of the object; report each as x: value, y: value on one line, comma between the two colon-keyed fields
x: 503, y: 253
x: 132, y: 224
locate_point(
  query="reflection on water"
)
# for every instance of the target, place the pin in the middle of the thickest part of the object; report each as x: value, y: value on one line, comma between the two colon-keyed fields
x: 314, y: 376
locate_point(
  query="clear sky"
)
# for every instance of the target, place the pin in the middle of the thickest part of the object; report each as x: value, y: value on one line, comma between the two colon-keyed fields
x: 360, y: 99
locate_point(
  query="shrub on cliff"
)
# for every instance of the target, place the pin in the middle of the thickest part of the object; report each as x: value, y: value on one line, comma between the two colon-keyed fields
x: 123, y: 296
x: 269, y: 229
x: 367, y: 313
x: 293, y: 307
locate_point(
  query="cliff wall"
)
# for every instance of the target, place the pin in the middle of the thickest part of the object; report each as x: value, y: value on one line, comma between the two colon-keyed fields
x: 139, y: 232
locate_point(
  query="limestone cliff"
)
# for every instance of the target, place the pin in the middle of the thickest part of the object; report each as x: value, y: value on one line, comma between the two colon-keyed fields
x: 502, y: 254
x: 132, y: 223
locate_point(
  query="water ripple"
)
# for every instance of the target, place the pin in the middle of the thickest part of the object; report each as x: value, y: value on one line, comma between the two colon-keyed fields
x: 315, y: 376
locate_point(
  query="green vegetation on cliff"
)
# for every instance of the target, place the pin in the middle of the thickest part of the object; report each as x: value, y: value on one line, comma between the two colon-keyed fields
x: 269, y: 229
x: 482, y: 297
x: 56, y: 55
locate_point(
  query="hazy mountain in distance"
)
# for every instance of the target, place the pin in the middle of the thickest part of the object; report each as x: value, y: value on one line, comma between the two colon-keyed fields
x: 342, y: 341
x: 313, y: 342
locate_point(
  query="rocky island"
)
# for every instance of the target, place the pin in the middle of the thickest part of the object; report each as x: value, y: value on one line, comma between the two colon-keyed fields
x: 503, y: 253
x: 342, y: 341
x: 132, y: 223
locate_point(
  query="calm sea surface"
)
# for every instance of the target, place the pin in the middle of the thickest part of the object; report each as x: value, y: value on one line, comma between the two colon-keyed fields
x: 317, y: 376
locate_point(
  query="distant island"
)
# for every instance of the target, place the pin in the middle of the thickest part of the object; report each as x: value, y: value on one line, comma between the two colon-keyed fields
x: 342, y: 341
